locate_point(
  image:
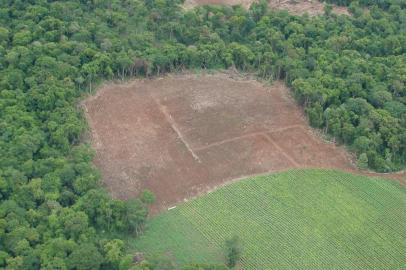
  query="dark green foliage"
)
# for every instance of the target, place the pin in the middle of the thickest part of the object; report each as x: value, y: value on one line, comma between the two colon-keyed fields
x: 85, y: 257
x: 52, y: 208
x: 233, y: 251
x: 349, y: 73
x: 204, y: 267
x: 147, y: 197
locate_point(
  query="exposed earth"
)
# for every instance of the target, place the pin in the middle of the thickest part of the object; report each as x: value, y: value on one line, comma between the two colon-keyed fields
x: 182, y: 135
x: 297, y: 7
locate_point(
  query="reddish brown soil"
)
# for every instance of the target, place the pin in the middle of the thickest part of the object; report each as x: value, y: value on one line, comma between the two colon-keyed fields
x: 182, y: 135
x: 297, y: 7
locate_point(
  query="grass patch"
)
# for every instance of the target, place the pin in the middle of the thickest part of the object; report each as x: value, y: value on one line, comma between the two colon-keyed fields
x: 300, y: 219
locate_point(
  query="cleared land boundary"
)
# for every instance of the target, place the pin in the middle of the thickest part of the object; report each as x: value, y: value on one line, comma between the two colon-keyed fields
x: 184, y: 135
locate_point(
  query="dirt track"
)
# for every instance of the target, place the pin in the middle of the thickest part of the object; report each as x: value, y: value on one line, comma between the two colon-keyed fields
x: 297, y: 7
x: 182, y: 135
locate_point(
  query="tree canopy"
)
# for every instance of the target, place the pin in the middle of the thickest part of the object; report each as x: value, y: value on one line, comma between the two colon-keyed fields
x: 348, y: 72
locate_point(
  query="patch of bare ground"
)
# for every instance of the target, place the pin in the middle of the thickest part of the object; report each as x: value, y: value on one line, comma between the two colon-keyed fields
x: 296, y: 7
x: 299, y: 7
x: 183, y: 135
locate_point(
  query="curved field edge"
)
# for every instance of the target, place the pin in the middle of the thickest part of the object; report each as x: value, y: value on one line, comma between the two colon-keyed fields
x: 299, y: 219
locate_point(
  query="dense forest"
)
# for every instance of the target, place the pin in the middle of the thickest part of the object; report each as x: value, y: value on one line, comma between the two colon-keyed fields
x: 348, y: 72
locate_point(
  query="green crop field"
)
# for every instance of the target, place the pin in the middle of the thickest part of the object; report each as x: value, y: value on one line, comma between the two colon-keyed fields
x: 301, y: 219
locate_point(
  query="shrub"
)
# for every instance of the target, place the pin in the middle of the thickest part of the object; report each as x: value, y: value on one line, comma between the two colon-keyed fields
x: 233, y: 251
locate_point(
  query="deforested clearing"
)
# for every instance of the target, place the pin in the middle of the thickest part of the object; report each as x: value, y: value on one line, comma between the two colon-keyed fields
x: 296, y: 7
x: 183, y: 135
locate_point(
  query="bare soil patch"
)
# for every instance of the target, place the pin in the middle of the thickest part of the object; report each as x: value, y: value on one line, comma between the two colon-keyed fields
x: 297, y: 7
x: 182, y: 135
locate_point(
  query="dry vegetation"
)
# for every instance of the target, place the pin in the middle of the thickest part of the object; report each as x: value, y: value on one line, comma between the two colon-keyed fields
x: 297, y: 7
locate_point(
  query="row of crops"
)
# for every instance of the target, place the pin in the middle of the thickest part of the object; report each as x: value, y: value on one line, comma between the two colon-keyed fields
x: 301, y: 219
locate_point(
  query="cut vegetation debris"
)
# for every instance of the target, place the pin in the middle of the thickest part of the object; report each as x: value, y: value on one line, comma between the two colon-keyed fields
x: 300, y: 219
x: 182, y: 135
x: 296, y: 7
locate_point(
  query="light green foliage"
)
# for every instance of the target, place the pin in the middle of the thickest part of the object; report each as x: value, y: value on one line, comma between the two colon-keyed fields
x: 172, y: 232
x: 303, y: 219
x: 147, y: 197
x: 114, y: 251
x: 362, y: 161
x: 349, y: 74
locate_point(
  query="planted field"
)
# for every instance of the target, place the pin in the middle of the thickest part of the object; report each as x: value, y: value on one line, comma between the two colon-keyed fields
x: 300, y: 219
